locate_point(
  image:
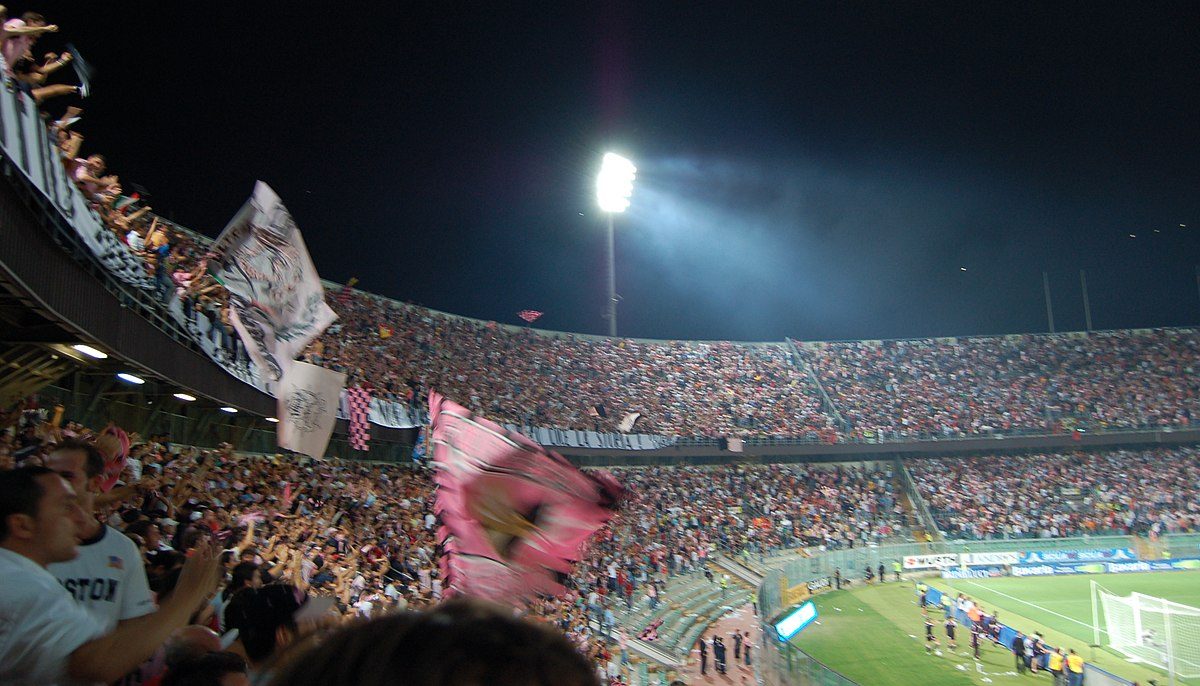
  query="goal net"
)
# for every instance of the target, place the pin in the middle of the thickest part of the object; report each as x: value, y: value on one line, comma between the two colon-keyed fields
x: 1153, y: 630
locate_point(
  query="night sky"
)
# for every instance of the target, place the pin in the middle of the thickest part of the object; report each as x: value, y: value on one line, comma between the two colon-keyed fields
x: 813, y: 170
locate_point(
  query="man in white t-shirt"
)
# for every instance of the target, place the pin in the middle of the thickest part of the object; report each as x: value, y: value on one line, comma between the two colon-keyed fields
x: 40, y: 625
x: 108, y: 576
x: 45, y: 636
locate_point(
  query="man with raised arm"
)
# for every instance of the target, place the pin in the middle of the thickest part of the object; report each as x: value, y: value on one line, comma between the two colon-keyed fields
x: 47, y: 637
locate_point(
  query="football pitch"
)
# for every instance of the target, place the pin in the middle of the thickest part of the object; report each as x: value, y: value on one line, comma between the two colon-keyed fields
x: 875, y: 634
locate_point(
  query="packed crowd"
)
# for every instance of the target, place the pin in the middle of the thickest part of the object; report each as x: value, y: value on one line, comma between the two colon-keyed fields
x: 526, y: 378
x: 879, y: 390
x: 893, y: 389
x: 364, y: 534
x: 1063, y: 494
x: 971, y: 386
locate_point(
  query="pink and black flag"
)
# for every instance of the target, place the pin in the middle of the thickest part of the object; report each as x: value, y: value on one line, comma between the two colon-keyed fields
x: 514, y: 516
x: 359, y: 405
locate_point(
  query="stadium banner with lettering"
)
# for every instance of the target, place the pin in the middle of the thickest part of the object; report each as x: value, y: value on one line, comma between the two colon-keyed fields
x: 987, y: 572
x: 568, y: 438
x: 1091, y: 555
x: 1134, y: 566
x: 28, y: 146
x: 930, y: 561
x: 984, y: 559
x: 276, y: 300
x: 308, y: 402
x: 384, y: 412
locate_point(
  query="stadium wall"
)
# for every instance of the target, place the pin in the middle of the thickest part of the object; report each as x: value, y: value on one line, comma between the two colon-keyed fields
x: 89, y: 305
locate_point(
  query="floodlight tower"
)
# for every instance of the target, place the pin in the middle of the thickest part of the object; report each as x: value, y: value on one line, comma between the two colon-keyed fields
x: 614, y: 185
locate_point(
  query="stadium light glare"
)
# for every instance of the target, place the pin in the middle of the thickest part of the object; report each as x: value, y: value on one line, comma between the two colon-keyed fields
x: 90, y: 351
x: 230, y: 410
x: 130, y: 378
x: 186, y: 397
x: 273, y: 420
x: 614, y: 185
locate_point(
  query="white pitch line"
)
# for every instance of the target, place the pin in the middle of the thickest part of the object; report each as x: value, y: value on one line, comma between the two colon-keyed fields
x: 1026, y: 602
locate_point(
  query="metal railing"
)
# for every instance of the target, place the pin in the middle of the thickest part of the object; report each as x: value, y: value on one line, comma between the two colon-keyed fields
x: 1182, y: 545
x: 917, y: 500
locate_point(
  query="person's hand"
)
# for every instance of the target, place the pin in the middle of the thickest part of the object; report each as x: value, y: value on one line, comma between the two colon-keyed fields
x: 51, y: 28
x: 199, y: 575
x: 66, y: 57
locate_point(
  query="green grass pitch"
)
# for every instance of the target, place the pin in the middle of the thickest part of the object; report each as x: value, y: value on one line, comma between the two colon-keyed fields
x: 875, y: 634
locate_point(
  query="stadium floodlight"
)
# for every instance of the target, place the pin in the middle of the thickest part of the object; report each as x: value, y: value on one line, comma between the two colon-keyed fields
x: 273, y: 420
x: 90, y: 351
x: 230, y: 410
x: 186, y: 397
x: 130, y: 378
x: 614, y: 186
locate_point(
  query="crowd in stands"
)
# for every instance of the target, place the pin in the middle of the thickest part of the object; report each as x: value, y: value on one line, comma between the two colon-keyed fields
x: 1127, y: 491
x: 526, y: 378
x: 879, y: 390
x: 973, y: 386
x: 364, y: 534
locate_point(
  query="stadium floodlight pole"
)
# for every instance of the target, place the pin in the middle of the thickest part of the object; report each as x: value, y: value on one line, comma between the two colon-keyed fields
x: 1049, y: 307
x: 614, y: 185
x: 1198, y: 279
x: 1087, y: 304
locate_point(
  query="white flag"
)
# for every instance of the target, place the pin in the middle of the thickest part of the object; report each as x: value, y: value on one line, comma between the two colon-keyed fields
x: 308, y: 403
x: 276, y: 300
x: 627, y: 421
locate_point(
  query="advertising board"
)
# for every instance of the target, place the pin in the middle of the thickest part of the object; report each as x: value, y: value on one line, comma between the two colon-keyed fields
x: 930, y: 561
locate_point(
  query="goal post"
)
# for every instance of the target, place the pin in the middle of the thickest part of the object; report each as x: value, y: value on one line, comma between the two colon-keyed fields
x: 1151, y: 630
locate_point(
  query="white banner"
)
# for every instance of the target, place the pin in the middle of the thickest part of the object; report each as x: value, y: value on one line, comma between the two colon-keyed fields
x: 28, y: 145
x: 991, y: 558
x: 277, y: 303
x: 308, y: 404
x: 567, y: 438
x: 930, y: 561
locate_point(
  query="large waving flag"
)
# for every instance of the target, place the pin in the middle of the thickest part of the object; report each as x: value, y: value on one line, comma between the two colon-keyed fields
x: 276, y: 300
x: 514, y: 515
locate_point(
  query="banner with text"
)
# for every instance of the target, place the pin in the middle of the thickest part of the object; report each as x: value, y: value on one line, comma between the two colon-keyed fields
x: 972, y: 559
x: 930, y: 561
x: 28, y: 146
x: 1091, y: 555
x: 568, y: 438
x: 987, y: 572
x: 1071, y: 568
